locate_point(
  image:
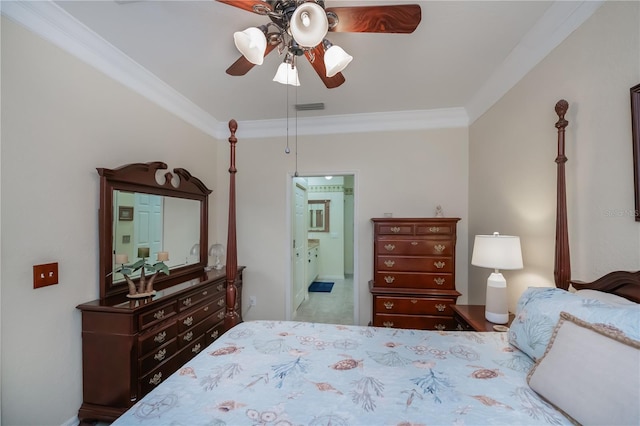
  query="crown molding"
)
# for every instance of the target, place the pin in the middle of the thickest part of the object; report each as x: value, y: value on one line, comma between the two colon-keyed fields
x: 54, y: 24
x: 560, y: 20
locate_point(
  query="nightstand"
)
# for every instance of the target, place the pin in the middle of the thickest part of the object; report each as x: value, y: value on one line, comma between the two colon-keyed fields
x: 471, y: 318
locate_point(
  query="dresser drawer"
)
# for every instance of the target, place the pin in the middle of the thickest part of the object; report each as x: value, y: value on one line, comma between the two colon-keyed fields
x: 434, y: 229
x: 193, y: 317
x: 157, y: 337
x: 414, y: 305
x: 158, y: 356
x: 161, y: 313
x: 196, y: 331
x: 415, y: 280
x: 191, y: 350
x: 414, y: 264
x: 394, y: 229
x: 152, y: 379
x: 421, y: 322
x: 213, y: 333
x: 195, y: 297
x: 415, y: 247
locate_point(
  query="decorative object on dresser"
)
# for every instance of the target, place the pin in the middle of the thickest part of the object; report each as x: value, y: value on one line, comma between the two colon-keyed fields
x: 135, y: 335
x: 414, y: 272
x: 497, y: 252
x: 471, y: 318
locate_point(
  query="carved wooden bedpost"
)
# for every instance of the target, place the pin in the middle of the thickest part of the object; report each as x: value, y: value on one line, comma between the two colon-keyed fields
x: 231, y: 317
x: 562, y: 267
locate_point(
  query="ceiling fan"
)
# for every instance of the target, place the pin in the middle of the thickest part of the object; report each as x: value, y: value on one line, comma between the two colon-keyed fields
x: 299, y: 27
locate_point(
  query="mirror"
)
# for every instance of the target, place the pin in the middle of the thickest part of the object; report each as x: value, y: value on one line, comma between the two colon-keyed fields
x: 319, y: 215
x: 144, y: 207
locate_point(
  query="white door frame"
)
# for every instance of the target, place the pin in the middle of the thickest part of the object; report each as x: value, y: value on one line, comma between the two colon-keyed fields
x: 288, y: 258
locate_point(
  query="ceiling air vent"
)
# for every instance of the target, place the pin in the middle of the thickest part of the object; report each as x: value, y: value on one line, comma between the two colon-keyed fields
x: 310, y: 107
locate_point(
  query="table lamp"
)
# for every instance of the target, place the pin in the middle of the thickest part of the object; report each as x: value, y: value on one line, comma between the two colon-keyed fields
x: 497, y: 252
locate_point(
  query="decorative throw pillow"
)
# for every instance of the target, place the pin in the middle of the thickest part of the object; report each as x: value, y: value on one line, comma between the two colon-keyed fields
x: 539, y: 309
x: 609, y: 298
x: 590, y: 373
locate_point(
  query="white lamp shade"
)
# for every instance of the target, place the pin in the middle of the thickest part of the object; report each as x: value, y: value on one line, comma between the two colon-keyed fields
x: 497, y: 252
x: 287, y: 74
x: 251, y: 43
x: 335, y: 60
x: 309, y: 24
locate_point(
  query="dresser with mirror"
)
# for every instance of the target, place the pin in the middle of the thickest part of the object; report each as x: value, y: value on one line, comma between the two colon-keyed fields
x: 133, y: 340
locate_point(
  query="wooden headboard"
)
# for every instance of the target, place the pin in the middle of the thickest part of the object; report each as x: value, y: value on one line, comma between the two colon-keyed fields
x: 621, y: 283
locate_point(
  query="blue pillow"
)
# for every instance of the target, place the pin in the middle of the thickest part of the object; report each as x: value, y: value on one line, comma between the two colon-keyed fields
x: 538, y: 312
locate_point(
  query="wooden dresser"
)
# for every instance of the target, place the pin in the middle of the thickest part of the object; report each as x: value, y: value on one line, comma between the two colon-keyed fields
x: 130, y: 347
x: 414, y: 273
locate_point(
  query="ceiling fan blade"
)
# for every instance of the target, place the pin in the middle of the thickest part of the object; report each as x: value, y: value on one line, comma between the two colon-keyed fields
x: 243, y: 66
x: 247, y: 4
x: 316, y: 59
x: 401, y: 19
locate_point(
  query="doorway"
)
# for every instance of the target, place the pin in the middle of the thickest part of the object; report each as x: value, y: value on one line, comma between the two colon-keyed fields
x: 322, y: 246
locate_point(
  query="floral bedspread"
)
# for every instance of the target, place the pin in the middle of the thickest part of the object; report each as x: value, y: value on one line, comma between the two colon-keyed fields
x: 293, y: 373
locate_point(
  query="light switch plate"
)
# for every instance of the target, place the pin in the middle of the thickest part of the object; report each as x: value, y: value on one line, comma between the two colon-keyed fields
x: 45, y: 274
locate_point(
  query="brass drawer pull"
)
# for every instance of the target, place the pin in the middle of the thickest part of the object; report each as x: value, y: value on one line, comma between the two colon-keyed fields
x: 440, y: 307
x: 434, y: 229
x: 220, y: 287
x: 206, y: 308
x: 395, y: 229
x: 196, y: 348
x: 390, y: 247
x: 214, y: 335
x: 388, y: 305
x: 439, y: 280
x: 156, y: 379
x: 159, y: 338
x: 187, y: 301
x: 439, y: 265
x: 389, y: 263
x: 221, y: 315
x: 440, y: 327
x: 221, y: 302
x: 189, y: 336
x: 160, y: 355
x: 439, y: 248
x: 204, y: 293
x: 389, y: 279
x: 414, y: 301
x: 388, y: 323
x: 188, y: 321
x: 159, y: 314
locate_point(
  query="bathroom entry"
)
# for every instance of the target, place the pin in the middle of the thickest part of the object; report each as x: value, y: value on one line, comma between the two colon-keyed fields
x: 322, y: 248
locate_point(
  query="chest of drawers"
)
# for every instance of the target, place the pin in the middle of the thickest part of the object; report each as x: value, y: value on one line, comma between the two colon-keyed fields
x: 130, y: 347
x: 413, y: 282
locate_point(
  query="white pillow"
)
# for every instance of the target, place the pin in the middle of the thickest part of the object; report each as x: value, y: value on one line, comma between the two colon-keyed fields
x: 590, y: 373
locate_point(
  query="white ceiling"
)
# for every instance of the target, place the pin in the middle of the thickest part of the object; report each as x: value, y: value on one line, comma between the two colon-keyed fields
x: 463, y: 56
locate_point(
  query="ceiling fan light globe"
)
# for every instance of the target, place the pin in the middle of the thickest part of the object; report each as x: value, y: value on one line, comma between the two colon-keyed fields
x: 309, y: 24
x: 252, y: 43
x: 335, y: 60
x: 287, y: 75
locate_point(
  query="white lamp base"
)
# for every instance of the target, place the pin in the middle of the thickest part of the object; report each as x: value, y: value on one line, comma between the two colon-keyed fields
x: 496, y: 310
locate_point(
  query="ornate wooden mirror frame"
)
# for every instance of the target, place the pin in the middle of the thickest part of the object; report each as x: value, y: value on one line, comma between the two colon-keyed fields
x: 141, y: 178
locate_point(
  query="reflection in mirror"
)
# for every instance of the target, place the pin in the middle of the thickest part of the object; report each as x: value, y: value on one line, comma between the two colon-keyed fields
x: 319, y: 215
x: 156, y: 222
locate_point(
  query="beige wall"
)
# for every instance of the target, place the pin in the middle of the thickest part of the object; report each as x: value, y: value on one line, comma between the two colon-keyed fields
x: 513, y: 147
x: 406, y: 173
x: 60, y: 120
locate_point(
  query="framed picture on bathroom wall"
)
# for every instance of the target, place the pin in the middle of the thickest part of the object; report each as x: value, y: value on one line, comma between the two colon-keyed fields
x: 125, y: 213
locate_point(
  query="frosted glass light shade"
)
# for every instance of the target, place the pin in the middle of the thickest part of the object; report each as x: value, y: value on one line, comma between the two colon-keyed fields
x: 287, y: 74
x: 335, y: 60
x: 251, y: 43
x: 309, y: 24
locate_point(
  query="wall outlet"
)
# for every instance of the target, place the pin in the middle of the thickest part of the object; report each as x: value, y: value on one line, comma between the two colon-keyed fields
x: 45, y: 274
x: 252, y: 301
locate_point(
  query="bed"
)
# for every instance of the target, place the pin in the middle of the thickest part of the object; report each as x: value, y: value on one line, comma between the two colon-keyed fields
x: 554, y: 365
